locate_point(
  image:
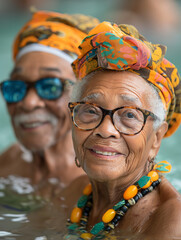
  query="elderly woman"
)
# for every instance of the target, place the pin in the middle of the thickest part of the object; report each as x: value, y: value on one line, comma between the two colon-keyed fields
x: 37, y: 93
x: 128, y: 99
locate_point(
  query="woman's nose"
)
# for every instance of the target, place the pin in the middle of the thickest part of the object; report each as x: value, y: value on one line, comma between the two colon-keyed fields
x: 106, y: 129
x: 31, y: 101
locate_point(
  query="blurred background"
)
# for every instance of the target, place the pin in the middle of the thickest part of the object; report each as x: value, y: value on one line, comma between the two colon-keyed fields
x: 158, y: 20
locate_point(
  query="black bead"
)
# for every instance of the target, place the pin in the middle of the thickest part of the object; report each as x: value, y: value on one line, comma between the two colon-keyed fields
x: 128, y: 204
x: 87, y: 209
x: 86, y: 214
x: 124, y: 209
x: 154, y: 184
x: 114, y: 221
x: 90, y: 199
x: 136, y: 198
x: 107, y: 228
x: 157, y: 182
x: 144, y: 191
x: 118, y: 217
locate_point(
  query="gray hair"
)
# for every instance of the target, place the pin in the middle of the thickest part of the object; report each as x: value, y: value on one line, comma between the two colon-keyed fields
x: 155, y: 102
x: 157, y: 106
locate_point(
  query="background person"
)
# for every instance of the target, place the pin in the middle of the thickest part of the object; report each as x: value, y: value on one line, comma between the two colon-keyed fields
x: 127, y: 101
x: 37, y: 94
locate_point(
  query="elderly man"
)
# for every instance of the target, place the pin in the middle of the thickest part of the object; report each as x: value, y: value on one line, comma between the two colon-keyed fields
x: 37, y: 93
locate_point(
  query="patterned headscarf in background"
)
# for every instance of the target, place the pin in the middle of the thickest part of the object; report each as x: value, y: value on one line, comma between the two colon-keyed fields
x: 114, y: 47
x: 47, y: 30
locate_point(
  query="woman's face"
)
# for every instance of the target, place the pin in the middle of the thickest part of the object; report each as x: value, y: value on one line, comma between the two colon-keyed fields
x: 104, y: 153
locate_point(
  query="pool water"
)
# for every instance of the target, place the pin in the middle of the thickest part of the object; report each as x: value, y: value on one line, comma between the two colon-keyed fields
x: 24, y: 213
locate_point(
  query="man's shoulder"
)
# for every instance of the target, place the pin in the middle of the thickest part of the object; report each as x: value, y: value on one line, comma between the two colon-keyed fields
x: 11, y: 160
x: 10, y: 153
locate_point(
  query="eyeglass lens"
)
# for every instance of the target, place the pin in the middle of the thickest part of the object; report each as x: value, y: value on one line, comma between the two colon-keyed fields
x: 126, y: 120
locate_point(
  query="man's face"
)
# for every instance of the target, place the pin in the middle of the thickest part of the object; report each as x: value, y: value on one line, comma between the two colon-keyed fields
x: 40, y: 123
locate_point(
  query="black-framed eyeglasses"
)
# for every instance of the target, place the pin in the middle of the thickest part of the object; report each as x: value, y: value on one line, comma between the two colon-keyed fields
x: 127, y: 120
x: 50, y: 88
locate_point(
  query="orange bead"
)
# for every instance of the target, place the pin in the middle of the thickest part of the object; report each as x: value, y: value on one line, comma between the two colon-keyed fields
x: 154, y: 176
x: 88, y: 189
x: 163, y: 164
x: 130, y: 192
x: 148, y: 184
x: 86, y: 236
x: 76, y: 215
x: 108, y: 215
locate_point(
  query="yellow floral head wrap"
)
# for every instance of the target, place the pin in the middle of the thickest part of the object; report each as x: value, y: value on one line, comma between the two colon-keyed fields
x: 55, y: 30
x: 114, y: 47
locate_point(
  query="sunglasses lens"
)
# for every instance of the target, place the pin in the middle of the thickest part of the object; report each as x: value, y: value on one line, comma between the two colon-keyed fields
x: 13, y: 90
x: 49, y: 88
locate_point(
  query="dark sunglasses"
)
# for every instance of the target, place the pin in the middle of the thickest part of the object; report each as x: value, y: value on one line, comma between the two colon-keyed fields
x: 50, y: 88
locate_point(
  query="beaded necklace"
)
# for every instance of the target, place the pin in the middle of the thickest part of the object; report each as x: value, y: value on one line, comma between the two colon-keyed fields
x: 110, y: 219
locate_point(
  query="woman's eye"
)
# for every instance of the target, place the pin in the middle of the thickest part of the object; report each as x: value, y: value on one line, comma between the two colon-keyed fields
x: 130, y: 115
x: 91, y: 111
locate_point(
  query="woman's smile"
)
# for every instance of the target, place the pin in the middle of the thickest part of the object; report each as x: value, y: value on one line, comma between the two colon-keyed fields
x: 104, y: 152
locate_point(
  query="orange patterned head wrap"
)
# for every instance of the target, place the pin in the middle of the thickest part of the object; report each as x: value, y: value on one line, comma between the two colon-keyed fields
x: 114, y: 47
x: 51, y: 31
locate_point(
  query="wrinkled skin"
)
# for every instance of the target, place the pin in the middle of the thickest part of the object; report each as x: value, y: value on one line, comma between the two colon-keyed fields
x: 152, y: 216
x: 42, y: 127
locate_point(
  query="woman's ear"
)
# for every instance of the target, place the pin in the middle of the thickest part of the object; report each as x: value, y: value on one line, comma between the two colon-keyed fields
x: 159, y: 134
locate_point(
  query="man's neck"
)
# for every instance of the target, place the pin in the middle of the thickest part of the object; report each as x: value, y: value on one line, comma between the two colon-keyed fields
x: 56, y: 161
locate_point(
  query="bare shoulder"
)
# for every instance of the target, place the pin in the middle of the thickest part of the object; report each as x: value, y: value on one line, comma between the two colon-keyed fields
x: 166, y: 220
x: 11, y: 161
x: 75, y: 189
x: 72, y: 193
x: 10, y: 153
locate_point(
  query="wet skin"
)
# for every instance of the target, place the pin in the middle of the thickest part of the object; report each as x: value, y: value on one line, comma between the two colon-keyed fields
x: 36, y: 134
x: 43, y: 127
x: 130, y: 153
x: 114, y: 161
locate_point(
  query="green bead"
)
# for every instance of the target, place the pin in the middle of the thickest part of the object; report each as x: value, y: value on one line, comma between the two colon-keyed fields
x: 82, y: 201
x: 119, y: 204
x: 143, y: 181
x: 97, y: 228
x: 73, y: 226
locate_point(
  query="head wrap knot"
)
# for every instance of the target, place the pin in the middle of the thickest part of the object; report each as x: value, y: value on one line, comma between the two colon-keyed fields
x: 122, y: 47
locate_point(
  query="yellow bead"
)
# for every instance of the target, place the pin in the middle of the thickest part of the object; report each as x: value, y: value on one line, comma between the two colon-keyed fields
x: 76, y: 215
x: 88, y: 189
x: 86, y: 236
x: 108, y: 215
x: 130, y: 192
x: 154, y: 176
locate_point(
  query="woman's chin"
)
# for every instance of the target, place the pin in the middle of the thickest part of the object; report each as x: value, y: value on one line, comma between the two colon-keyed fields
x: 103, y: 174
